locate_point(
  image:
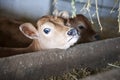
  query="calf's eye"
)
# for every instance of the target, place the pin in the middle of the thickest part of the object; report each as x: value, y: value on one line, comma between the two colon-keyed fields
x: 81, y: 27
x: 47, y: 30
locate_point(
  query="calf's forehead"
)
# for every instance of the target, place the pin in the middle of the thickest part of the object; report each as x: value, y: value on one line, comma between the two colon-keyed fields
x: 58, y: 22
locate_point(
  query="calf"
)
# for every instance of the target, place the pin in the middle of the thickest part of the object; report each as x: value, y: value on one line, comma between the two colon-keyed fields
x: 50, y: 33
x: 82, y: 24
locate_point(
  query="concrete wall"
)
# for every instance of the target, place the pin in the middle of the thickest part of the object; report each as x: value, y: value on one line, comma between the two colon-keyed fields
x: 26, y: 8
x: 105, y: 6
x: 36, y: 8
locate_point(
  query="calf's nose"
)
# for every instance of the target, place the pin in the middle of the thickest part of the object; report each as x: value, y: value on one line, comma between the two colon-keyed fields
x: 72, y: 32
x: 97, y: 37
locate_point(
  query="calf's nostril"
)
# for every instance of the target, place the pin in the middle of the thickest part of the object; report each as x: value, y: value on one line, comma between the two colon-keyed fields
x: 97, y: 37
x: 72, y: 32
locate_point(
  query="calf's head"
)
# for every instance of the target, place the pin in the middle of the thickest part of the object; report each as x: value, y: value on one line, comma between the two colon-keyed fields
x: 82, y: 24
x: 51, y: 33
x: 84, y: 27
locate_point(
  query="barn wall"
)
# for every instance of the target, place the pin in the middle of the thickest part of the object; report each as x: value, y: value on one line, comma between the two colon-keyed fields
x: 105, y: 7
x: 36, y: 8
x: 26, y: 8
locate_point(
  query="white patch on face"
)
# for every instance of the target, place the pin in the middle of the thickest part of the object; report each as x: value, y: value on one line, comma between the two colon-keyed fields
x: 71, y: 41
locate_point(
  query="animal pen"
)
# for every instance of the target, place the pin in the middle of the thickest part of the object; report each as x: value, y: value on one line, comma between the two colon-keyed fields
x: 96, y: 60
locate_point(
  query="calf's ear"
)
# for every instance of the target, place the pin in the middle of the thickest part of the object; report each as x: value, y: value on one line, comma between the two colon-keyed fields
x: 64, y: 14
x: 29, y: 30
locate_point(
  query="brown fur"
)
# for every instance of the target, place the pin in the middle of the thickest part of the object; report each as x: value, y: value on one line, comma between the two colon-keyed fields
x: 86, y: 33
x: 10, y: 35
